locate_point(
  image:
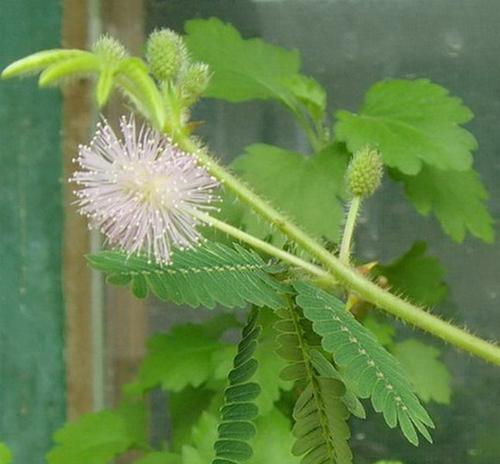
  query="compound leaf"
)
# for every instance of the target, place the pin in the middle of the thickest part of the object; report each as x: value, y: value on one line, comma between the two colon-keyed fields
x: 412, y: 123
x: 320, y: 413
x: 204, y: 276
x: 368, y: 368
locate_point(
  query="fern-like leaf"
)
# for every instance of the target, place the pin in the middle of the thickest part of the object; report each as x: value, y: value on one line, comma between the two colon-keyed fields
x: 239, y: 409
x: 320, y: 413
x: 368, y: 368
x: 209, y: 274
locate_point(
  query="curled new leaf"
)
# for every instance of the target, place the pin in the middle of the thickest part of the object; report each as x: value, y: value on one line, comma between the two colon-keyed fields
x: 136, y: 83
x: 83, y: 64
x: 40, y: 60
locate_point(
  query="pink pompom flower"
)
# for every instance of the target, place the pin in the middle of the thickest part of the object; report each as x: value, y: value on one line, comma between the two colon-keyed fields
x: 142, y: 192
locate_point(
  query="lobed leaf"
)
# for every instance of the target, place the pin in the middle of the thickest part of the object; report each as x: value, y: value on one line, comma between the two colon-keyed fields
x: 310, y: 193
x: 368, y: 368
x: 247, y: 69
x: 412, y: 123
x: 170, y: 358
x: 429, y: 375
x: 416, y: 275
x: 242, y: 69
x: 205, y: 276
x: 100, y: 437
x: 456, y: 198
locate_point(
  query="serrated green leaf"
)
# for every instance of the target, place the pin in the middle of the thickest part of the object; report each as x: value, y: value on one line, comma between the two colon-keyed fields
x: 428, y: 374
x: 242, y: 69
x: 310, y: 193
x: 5, y: 454
x: 186, y: 408
x: 416, y: 275
x: 161, y: 457
x: 209, y: 274
x: 368, y: 369
x: 170, y: 359
x: 96, y: 437
x: 412, y: 123
x: 457, y: 199
x: 310, y: 93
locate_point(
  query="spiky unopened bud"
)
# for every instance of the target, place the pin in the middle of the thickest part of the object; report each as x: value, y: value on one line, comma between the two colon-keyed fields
x: 364, y: 172
x: 166, y: 54
x: 109, y: 49
x: 195, y: 80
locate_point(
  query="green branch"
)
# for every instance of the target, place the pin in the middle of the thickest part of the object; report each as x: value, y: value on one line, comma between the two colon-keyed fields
x: 345, y: 245
x: 346, y: 275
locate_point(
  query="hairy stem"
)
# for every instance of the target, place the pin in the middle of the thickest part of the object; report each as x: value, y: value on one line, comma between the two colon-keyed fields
x: 266, y: 247
x: 346, y: 275
x: 345, y: 245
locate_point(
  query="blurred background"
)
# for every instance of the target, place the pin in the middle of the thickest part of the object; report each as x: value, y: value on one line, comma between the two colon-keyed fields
x: 68, y: 343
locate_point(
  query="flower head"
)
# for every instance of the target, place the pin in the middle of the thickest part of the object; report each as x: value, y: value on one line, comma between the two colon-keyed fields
x: 142, y: 191
x: 364, y: 173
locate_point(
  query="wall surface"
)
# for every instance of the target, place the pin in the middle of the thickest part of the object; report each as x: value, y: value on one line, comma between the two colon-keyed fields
x: 31, y: 304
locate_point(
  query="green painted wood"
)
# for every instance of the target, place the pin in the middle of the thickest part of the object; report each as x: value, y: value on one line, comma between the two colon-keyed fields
x: 32, y: 398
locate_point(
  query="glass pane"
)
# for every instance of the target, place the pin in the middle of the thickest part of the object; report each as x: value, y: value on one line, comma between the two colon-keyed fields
x: 348, y: 46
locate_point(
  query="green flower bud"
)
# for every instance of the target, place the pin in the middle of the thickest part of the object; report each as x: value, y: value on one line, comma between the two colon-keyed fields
x: 194, y: 81
x: 109, y: 50
x: 364, y: 172
x: 166, y: 54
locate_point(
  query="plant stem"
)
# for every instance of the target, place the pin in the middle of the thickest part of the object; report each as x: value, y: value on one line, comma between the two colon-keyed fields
x: 345, y: 246
x: 347, y: 276
x: 266, y: 247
